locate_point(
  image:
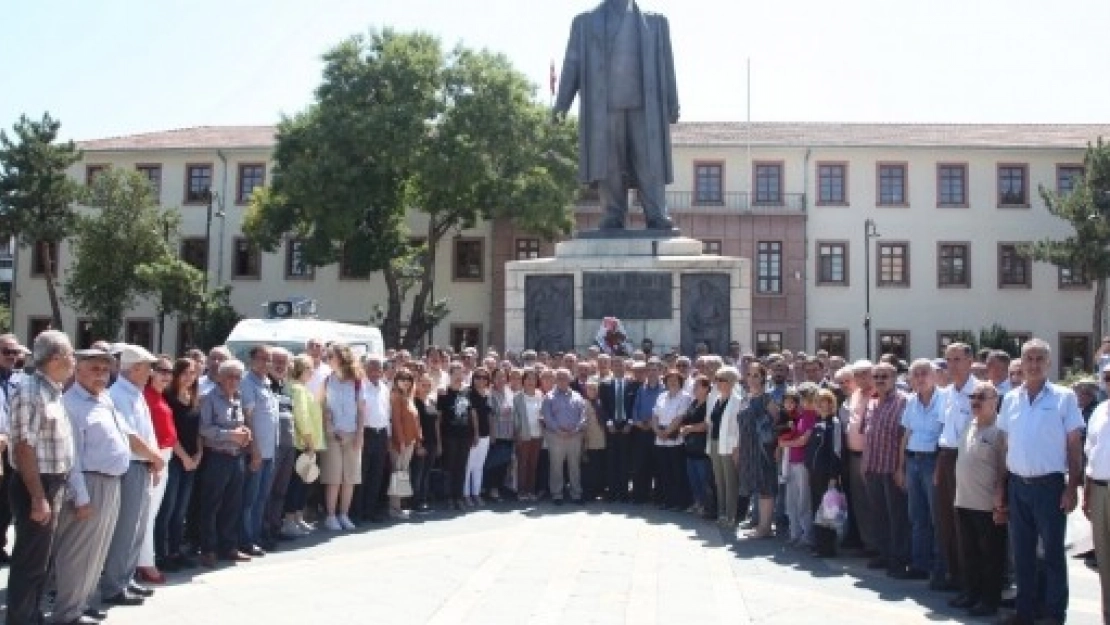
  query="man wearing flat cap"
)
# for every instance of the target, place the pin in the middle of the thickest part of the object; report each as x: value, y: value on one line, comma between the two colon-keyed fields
x: 116, y: 583
x: 103, y: 442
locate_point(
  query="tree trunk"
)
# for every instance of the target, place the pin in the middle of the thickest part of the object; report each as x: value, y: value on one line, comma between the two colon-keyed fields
x: 51, y: 288
x: 391, y: 324
x: 419, y: 324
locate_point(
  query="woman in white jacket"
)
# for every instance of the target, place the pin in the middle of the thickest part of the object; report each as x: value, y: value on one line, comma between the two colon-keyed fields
x: 723, y: 436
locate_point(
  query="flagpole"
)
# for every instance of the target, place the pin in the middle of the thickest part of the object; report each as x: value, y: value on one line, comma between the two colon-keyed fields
x: 751, y: 174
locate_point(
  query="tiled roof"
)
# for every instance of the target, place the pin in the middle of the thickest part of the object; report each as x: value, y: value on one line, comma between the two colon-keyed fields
x: 834, y: 134
x: 196, y: 138
x: 765, y: 134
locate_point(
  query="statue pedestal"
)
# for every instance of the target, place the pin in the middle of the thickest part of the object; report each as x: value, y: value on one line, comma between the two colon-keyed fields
x: 664, y: 289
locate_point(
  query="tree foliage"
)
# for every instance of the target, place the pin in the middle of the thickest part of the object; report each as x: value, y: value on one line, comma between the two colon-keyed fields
x: 124, y: 230
x: 399, y: 125
x: 1086, y: 208
x: 37, y: 194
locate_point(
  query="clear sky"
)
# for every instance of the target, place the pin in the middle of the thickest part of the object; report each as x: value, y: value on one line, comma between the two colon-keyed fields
x: 110, y: 67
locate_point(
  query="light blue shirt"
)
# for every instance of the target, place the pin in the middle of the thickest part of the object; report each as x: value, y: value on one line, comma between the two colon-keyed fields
x: 131, y: 405
x: 924, y: 421
x: 1037, y: 431
x: 564, y: 411
x: 342, y: 402
x: 956, y: 413
x: 262, y: 403
x: 100, y: 438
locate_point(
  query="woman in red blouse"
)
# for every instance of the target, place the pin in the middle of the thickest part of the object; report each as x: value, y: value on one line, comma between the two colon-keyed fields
x: 162, y: 417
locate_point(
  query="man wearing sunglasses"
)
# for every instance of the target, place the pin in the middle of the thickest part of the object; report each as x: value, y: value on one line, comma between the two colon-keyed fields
x: 882, y: 427
x: 10, y: 352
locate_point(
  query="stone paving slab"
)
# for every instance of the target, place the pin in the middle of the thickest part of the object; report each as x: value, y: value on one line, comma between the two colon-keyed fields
x: 604, y: 565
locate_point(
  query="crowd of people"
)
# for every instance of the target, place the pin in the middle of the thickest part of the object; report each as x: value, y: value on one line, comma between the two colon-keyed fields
x: 959, y: 471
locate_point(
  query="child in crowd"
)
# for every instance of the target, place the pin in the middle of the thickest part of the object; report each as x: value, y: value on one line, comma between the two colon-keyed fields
x: 798, y: 506
x: 784, y: 431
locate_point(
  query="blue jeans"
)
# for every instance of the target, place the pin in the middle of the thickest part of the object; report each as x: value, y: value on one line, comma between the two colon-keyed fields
x: 169, y: 525
x: 700, y: 474
x: 924, y: 555
x: 256, y: 492
x: 1035, y: 514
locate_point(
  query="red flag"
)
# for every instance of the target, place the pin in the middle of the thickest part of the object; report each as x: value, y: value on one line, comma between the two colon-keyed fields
x: 553, y: 77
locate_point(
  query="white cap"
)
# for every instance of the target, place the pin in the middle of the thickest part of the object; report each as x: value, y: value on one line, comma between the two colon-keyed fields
x: 131, y: 355
x: 116, y: 348
x: 862, y: 365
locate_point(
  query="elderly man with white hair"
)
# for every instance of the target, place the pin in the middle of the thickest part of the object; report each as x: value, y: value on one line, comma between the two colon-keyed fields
x: 216, y: 357
x: 117, y: 586
x: 1044, y: 459
x: 564, y: 418
x: 917, y: 470
x: 370, y: 500
x: 42, y: 457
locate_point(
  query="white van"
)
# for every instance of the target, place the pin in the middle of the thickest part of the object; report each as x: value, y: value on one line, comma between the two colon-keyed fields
x: 292, y: 334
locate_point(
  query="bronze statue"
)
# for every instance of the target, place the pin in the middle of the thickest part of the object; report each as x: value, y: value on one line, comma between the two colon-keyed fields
x: 619, y: 63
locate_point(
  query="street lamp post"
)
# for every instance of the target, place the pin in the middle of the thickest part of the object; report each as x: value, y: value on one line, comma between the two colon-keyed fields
x: 212, y: 197
x: 870, y: 231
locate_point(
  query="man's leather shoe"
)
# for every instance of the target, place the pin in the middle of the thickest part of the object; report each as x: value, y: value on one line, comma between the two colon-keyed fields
x: 124, y: 598
x: 963, y: 602
x: 93, y: 613
x: 141, y: 591
x: 980, y: 610
x: 660, y: 223
x: 254, y: 550
x: 611, y: 223
x: 235, y: 556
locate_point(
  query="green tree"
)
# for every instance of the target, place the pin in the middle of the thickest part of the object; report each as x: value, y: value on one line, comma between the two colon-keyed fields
x: 1086, y: 207
x: 218, y: 318
x: 37, y: 195
x: 399, y: 125
x: 998, y: 337
x: 178, y: 289
x: 124, y: 230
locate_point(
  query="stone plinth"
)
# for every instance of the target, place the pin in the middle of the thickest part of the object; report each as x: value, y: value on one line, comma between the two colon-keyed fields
x: 694, y: 297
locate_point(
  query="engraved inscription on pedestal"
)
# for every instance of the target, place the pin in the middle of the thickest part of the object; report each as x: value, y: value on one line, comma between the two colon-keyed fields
x: 627, y: 295
x: 705, y: 311
x: 549, y: 312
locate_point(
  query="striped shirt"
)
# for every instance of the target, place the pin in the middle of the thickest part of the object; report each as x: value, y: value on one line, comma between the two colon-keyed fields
x: 39, y: 419
x: 882, y: 427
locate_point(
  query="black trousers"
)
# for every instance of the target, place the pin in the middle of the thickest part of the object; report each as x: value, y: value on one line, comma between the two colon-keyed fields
x: 34, y: 543
x: 984, y: 548
x: 456, y: 451
x: 616, y: 459
x: 221, y: 506
x: 594, y: 474
x: 673, y: 483
x: 493, y: 477
x: 420, y: 471
x: 643, y: 465
x: 371, y: 493
x: 824, y: 538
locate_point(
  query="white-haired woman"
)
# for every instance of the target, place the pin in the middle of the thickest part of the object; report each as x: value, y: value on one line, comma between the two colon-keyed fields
x: 723, y: 406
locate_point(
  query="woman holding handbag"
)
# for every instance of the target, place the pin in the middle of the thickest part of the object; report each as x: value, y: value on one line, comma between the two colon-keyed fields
x: 405, y: 428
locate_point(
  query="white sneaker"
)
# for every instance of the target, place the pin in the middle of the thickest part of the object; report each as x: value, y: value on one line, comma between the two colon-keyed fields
x: 345, y: 522
x: 332, y: 523
x: 306, y: 527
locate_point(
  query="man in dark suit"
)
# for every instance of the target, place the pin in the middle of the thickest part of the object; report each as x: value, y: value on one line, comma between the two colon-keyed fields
x: 617, y: 395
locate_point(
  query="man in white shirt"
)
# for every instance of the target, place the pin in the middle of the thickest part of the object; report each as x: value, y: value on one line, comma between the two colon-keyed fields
x: 955, y: 417
x: 1096, y: 491
x: 317, y: 351
x: 375, y: 445
x: 1044, y: 458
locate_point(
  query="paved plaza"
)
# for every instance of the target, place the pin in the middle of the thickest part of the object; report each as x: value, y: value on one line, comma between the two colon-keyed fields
x: 598, y: 564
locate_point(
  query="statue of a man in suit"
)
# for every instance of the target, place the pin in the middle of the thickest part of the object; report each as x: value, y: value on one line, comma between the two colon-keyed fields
x: 619, y: 63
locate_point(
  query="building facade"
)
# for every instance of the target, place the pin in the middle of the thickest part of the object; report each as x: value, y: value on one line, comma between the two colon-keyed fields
x: 950, y: 204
